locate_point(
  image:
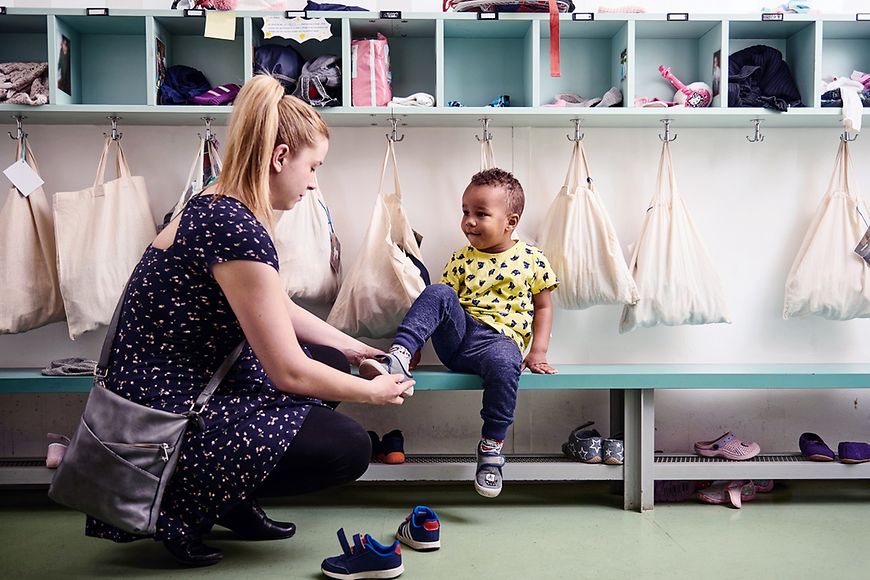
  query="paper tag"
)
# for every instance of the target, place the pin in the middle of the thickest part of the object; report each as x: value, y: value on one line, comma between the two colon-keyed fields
x: 296, y: 28
x: 334, y: 253
x: 23, y: 177
x: 220, y: 24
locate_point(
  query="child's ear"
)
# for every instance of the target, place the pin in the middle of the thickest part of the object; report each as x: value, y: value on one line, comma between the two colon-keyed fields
x: 513, y: 221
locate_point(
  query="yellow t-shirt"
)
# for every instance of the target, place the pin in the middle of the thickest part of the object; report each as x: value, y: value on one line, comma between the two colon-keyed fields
x: 497, y: 289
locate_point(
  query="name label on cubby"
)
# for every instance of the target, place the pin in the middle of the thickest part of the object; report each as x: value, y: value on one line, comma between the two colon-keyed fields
x: 583, y: 16
x: 194, y: 12
x: 862, y: 16
x: 97, y: 11
x: 2, y: 10
x: 295, y: 14
x: 391, y: 14
x: 679, y: 16
x: 772, y: 16
x: 487, y: 15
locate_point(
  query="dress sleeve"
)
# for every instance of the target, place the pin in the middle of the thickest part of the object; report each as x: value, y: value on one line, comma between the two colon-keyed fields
x: 230, y: 232
x: 544, y: 277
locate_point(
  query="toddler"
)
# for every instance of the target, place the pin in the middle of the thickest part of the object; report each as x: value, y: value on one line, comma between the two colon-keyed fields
x: 492, y: 305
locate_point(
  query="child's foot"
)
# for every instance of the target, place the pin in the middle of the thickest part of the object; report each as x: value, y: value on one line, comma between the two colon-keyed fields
x: 488, y: 479
x: 385, y: 364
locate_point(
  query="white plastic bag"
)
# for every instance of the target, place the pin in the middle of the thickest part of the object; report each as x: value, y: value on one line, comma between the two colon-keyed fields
x: 581, y: 244
x: 383, y: 282
x: 29, y: 291
x: 101, y: 232
x: 827, y: 278
x: 200, y: 174
x: 308, y: 250
x: 676, y: 281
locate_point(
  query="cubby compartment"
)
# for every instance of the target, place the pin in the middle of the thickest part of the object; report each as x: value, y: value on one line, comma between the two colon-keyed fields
x: 593, y: 59
x: 845, y: 48
x: 412, y: 52
x: 23, y: 38
x: 307, y: 50
x: 484, y: 59
x: 689, y: 48
x: 795, y: 40
x: 181, y: 41
x: 101, y: 60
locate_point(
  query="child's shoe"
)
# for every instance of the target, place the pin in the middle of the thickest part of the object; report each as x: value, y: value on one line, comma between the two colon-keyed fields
x: 385, y: 364
x: 584, y: 444
x: 488, y: 479
x: 377, y: 451
x: 728, y: 492
x: 57, y: 445
x: 366, y: 559
x: 613, y: 451
x: 393, y: 447
x: 421, y: 530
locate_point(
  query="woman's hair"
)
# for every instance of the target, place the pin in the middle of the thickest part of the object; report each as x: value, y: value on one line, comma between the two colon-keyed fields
x: 264, y: 117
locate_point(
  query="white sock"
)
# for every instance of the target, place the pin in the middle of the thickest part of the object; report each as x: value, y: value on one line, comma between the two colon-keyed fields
x: 401, y: 353
x: 488, y: 445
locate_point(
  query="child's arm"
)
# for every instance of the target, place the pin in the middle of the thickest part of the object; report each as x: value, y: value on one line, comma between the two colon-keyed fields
x: 542, y: 324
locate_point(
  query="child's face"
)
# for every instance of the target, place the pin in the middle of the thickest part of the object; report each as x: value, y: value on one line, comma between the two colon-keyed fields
x: 485, y: 218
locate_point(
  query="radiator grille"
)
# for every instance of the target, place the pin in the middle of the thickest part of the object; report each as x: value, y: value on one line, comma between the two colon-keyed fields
x: 765, y: 458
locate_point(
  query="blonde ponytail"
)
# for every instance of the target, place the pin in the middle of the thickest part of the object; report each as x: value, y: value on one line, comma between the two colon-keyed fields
x: 263, y: 118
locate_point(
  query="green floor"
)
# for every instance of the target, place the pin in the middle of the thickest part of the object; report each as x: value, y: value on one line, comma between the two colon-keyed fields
x: 813, y: 530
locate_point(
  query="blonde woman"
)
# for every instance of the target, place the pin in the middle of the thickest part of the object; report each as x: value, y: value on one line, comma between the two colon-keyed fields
x: 209, y: 280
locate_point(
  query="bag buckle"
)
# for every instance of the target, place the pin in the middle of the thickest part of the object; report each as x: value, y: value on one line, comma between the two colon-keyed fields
x: 194, y: 414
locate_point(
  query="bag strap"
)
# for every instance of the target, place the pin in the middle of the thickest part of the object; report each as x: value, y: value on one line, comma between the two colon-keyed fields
x: 578, y: 169
x: 390, y: 155
x: 487, y: 157
x: 664, y: 162
x: 192, y: 179
x: 102, y: 369
x: 121, y: 167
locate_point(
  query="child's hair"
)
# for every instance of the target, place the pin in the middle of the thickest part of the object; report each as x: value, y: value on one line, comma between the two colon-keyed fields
x: 263, y: 118
x: 495, y: 177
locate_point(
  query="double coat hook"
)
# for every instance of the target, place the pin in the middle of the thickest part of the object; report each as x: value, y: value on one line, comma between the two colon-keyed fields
x: 667, y: 138
x: 578, y: 136
x: 209, y: 136
x: 845, y: 137
x: 19, y: 131
x: 393, y: 135
x: 115, y: 135
x: 758, y: 137
x: 487, y: 136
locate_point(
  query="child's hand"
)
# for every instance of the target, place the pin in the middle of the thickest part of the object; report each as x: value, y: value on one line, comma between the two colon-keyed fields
x: 537, y: 363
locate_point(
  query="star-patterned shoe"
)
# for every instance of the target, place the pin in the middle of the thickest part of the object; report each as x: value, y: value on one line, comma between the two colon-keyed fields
x: 613, y: 451
x: 584, y: 444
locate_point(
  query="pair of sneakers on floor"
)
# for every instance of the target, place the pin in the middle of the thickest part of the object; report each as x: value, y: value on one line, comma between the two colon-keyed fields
x: 490, y: 461
x: 368, y: 558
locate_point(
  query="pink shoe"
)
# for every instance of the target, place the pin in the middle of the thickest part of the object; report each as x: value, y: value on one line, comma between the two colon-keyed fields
x: 57, y: 445
x: 728, y: 492
x: 728, y: 446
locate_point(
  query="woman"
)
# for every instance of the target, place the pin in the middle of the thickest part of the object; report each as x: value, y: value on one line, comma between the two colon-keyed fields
x: 209, y: 280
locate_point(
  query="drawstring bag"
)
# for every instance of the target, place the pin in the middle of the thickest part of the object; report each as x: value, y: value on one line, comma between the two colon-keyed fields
x: 320, y: 82
x: 487, y: 157
x: 101, y: 232
x: 827, y: 278
x: 370, y: 72
x: 384, y: 281
x: 309, y: 253
x: 676, y: 281
x: 581, y: 244
x: 205, y: 168
x: 28, y: 266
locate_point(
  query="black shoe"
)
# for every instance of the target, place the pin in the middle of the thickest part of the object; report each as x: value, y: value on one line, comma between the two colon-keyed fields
x: 190, y: 551
x: 250, y: 522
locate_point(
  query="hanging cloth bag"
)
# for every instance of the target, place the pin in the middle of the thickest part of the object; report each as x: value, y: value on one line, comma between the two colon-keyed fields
x: 206, y: 167
x: 28, y: 266
x: 581, y: 244
x: 487, y: 157
x: 101, y: 233
x: 827, y: 278
x: 383, y: 281
x: 309, y: 252
x: 676, y: 281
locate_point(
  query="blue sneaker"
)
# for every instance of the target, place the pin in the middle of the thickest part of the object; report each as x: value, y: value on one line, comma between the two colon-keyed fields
x: 385, y: 364
x: 488, y: 479
x: 421, y: 530
x: 366, y: 559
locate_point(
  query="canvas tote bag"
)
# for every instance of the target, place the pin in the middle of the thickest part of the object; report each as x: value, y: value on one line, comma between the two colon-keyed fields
x: 309, y: 252
x: 383, y: 281
x: 28, y: 267
x: 200, y: 174
x: 676, y: 281
x: 581, y: 244
x: 101, y: 232
x: 827, y: 278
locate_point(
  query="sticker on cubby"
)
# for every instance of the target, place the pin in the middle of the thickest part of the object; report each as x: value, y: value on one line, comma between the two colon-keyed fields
x: 296, y: 28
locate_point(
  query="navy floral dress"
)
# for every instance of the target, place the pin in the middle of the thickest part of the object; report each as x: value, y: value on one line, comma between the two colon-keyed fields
x: 175, y: 329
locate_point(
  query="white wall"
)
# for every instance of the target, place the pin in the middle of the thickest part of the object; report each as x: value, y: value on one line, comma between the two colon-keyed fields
x: 751, y: 201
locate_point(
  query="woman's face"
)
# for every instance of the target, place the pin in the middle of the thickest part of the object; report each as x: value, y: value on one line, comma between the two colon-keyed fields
x: 291, y: 177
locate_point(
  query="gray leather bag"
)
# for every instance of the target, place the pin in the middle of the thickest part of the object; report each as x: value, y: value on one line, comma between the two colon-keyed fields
x: 123, y: 454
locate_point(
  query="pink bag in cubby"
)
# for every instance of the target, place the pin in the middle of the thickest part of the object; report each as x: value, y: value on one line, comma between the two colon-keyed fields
x: 370, y: 72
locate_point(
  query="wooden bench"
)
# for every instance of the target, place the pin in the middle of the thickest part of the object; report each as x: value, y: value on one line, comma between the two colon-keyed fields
x: 632, y: 393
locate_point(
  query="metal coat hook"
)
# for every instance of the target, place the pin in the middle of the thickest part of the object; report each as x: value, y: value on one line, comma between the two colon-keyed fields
x: 758, y: 137
x: 19, y: 131
x: 393, y: 135
x: 578, y: 136
x: 209, y: 136
x: 667, y: 136
x: 845, y: 137
x: 115, y: 135
x: 487, y: 136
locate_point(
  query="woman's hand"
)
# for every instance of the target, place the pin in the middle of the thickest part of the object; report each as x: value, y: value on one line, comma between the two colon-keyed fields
x: 388, y: 389
x: 357, y: 353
